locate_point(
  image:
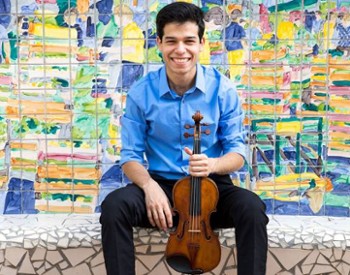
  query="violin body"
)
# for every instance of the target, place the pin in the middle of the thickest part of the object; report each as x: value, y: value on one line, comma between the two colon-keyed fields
x: 193, y: 248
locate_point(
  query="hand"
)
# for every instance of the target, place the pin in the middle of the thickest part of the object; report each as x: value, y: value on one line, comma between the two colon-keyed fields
x: 199, y: 164
x: 159, y: 211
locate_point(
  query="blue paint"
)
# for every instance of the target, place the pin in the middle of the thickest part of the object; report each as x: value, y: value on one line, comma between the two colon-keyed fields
x: 233, y: 35
x: 151, y: 42
x: 99, y: 87
x: 110, y: 180
x: 104, y: 8
x: 5, y: 11
x: 90, y: 28
x: 20, y: 198
x: 310, y: 17
x: 206, y: 2
x: 29, y: 9
x: 337, y: 211
x: 129, y: 74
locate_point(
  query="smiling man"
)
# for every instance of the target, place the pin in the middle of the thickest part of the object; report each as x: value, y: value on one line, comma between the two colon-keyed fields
x: 159, y: 108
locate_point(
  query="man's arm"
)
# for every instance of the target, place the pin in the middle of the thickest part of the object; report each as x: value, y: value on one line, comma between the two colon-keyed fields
x: 158, y: 207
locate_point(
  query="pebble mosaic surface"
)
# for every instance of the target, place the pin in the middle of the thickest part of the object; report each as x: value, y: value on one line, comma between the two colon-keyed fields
x: 71, y: 244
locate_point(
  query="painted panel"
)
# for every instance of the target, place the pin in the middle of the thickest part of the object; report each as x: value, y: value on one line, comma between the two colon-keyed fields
x: 66, y: 66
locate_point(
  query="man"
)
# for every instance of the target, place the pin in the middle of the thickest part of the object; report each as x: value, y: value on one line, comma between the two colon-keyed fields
x: 157, y: 109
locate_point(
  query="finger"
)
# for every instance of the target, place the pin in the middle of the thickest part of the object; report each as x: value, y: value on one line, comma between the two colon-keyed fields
x: 150, y: 217
x: 169, y: 216
x: 198, y: 168
x: 156, y: 218
x: 162, y: 221
x: 188, y: 151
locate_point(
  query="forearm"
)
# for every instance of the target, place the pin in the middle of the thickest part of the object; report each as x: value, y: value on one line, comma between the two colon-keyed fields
x: 137, y: 173
x: 226, y: 164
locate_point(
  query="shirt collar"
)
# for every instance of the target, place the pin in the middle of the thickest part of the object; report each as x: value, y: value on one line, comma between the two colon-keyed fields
x: 164, y: 86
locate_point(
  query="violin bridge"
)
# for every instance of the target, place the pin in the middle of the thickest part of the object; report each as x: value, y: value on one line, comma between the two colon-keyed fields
x: 194, y: 231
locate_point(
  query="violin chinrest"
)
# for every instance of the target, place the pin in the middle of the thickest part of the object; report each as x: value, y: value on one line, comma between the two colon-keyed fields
x: 181, y: 264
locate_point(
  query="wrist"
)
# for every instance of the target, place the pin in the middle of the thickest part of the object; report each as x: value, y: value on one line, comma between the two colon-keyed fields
x: 147, y: 184
x: 213, y: 163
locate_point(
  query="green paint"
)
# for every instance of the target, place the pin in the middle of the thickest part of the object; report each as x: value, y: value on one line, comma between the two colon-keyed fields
x: 335, y: 53
x: 278, y: 156
x: 309, y: 107
x: 50, y: 128
x: 66, y: 197
x: 326, y: 6
x: 337, y: 200
x: 13, y: 46
x: 60, y: 68
x: 77, y: 143
x: 32, y: 123
x: 321, y: 94
x: 109, y: 103
x: 298, y: 155
x: 60, y: 82
x: 84, y: 76
x: 341, y: 83
x: 69, y: 181
x: 292, y: 5
x: 56, y: 54
x: 64, y: 5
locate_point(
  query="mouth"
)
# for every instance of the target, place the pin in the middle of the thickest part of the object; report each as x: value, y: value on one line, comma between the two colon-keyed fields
x: 181, y: 60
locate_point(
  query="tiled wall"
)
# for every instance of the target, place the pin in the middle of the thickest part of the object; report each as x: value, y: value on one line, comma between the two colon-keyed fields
x: 66, y: 66
x: 71, y: 244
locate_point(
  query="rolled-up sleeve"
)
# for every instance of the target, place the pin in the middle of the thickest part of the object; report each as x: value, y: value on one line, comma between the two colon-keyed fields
x: 133, y: 129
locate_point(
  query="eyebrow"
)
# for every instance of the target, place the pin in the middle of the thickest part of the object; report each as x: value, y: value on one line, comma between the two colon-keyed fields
x: 175, y: 38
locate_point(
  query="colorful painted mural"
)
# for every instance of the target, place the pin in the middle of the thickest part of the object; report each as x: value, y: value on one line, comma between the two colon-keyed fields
x: 66, y: 66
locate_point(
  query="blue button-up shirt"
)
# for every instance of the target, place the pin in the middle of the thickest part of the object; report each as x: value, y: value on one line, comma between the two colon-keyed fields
x: 153, y: 125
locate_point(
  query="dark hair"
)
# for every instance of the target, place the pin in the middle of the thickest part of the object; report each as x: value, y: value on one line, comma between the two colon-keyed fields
x: 180, y: 12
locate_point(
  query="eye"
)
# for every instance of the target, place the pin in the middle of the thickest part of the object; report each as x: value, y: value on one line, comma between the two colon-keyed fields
x: 190, y: 42
x: 170, y: 42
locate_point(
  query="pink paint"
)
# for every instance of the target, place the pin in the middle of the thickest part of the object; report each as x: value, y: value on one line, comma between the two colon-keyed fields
x: 335, y: 117
x: 269, y: 95
x: 339, y: 90
x: 6, y: 80
x: 340, y: 129
x: 57, y: 156
x: 45, y: 1
x: 264, y: 19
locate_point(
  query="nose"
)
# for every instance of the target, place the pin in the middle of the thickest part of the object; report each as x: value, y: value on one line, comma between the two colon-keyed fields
x: 180, y: 48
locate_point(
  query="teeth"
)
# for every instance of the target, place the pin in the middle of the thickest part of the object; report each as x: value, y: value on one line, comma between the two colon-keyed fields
x: 181, y: 60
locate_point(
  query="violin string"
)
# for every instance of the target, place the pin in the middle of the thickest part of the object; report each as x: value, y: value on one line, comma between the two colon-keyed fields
x: 196, y: 200
x: 193, y: 199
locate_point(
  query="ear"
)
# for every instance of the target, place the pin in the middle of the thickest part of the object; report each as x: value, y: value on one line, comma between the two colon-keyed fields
x: 202, y: 42
x: 159, y: 41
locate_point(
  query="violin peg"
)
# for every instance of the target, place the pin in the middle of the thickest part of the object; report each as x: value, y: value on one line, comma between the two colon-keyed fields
x: 206, y: 132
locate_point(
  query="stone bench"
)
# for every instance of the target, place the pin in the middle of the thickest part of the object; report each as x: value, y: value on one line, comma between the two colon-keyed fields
x: 50, y: 244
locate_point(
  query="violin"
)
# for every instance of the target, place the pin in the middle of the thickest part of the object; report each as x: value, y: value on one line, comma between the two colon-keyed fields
x: 193, y: 247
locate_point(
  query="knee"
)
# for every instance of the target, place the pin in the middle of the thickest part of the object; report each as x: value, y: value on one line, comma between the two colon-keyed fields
x: 254, y: 210
x: 111, y: 206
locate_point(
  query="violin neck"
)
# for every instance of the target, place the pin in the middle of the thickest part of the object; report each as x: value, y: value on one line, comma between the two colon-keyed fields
x: 196, y: 145
x: 196, y: 181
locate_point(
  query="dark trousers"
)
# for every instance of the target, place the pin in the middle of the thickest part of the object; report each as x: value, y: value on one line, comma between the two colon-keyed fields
x: 237, y: 207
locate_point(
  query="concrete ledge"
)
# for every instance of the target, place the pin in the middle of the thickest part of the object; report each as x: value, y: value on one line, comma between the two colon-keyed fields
x: 71, y: 244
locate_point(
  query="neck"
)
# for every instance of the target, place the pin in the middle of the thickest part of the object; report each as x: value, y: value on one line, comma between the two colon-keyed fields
x: 182, y: 83
x: 180, y: 88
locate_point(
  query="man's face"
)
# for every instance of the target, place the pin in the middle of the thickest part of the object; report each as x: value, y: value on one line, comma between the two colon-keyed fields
x: 180, y: 47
